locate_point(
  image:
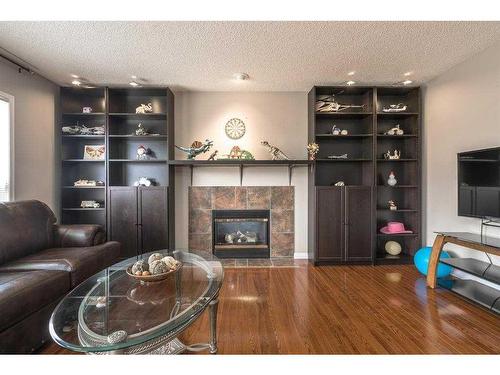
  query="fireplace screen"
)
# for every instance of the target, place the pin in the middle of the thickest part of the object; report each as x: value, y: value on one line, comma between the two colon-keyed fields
x: 241, y: 233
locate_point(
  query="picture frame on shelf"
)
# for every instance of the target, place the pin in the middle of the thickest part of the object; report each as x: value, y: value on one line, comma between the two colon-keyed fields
x: 94, y: 152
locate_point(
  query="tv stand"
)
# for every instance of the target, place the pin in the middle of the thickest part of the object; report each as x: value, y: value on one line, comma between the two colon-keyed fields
x: 482, y: 294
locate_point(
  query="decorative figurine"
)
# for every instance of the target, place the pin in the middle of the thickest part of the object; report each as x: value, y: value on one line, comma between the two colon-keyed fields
x: 143, y: 181
x: 86, y: 183
x: 90, y: 204
x: 213, y: 156
x: 144, y: 153
x: 276, y: 153
x: 344, y: 132
x: 235, y: 128
x: 391, y: 181
x: 83, y: 130
x: 400, y: 107
x: 312, y: 150
x: 336, y: 130
x: 140, y: 130
x: 237, y: 153
x: 339, y: 183
x: 196, y: 148
x: 87, y: 110
x: 327, y: 103
x: 395, y: 156
x: 395, y: 131
x: 343, y: 156
x: 94, y: 152
x: 392, y: 205
x: 144, y: 108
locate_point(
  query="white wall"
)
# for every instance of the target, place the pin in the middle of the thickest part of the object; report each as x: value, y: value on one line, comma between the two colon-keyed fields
x: 35, y: 171
x: 461, y: 113
x: 278, y: 117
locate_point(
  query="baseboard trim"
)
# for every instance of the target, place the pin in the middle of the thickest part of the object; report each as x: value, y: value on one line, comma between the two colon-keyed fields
x: 301, y: 256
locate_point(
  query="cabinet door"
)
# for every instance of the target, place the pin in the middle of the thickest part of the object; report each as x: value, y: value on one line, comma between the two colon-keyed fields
x: 122, y: 216
x: 153, y: 218
x: 358, y: 222
x: 329, y: 223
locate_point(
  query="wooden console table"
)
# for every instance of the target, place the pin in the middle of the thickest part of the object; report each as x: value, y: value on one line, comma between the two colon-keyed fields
x: 489, y: 245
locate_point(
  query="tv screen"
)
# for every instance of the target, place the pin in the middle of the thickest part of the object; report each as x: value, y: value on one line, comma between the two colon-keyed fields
x: 479, y: 183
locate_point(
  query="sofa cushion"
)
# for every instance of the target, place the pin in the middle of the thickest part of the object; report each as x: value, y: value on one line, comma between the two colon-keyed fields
x: 23, y: 293
x: 81, y: 262
x: 26, y: 227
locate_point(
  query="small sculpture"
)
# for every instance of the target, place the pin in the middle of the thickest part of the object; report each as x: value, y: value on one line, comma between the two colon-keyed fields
x: 335, y: 130
x: 392, y: 205
x: 395, y: 131
x: 276, y: 153
x: 144, y: 108
x: 339, y: 183
x: 143, y: 181
x: 312, y: 150
x: 213, y: 156
x: 140, y: 130
x: 343, y: 156
x: 235, y: 153
x: 327, y: 103
x: 86, y: 183
x: 143, y: 153
x: 90, y: 204
x: 83, y: 130
x: 391, y: 181
x: 395, y: 156
x: 196, y: 148
x: 87, y: 110
x: 400, y: 107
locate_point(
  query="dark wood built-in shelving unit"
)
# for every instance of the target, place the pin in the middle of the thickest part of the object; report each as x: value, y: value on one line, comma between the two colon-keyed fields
x: 365, y: 168
x: 114, y: 108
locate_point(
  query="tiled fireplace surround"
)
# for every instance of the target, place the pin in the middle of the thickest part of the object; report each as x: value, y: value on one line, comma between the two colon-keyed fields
x: 278, y: 199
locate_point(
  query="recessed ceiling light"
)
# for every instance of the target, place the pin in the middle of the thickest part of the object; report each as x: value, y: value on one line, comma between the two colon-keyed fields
x: 133, y: 77
x: 133, y: 84
x: 241, y: 76
x: 76, y: 82
x: 407, y: 74
x: 74, y: 76
x: 350, y: 83
x: 351, y: 73
x: 407, y: 82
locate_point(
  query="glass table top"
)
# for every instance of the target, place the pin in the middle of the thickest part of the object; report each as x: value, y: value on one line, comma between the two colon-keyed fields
x: 473, y: 237
x: 112, y: 310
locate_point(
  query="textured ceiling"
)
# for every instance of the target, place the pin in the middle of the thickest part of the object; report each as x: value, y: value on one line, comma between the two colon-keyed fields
x: 278, y: 56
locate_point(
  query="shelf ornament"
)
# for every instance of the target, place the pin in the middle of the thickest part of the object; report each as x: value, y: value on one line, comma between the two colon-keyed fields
x: 327, y: 103
x: 312, y: 150
x: 395, y: 131
x: 276, y: 153
x: 144, y: 108
x: 196, y: 148
x: 391, y: 181
x: 395, y: 156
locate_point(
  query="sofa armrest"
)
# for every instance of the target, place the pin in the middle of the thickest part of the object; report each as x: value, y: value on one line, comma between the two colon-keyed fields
x: 78, y: 235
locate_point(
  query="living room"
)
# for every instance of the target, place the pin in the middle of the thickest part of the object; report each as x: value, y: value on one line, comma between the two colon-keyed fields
x: 250, y: 186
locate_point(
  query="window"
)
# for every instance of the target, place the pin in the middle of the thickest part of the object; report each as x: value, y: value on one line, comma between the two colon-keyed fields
x: 6, y: 108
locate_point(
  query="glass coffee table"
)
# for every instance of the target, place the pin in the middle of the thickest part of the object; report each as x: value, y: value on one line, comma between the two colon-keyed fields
x: 113, y: 313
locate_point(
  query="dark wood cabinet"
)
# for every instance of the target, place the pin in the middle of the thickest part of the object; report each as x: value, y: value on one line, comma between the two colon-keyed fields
x: 138, y: 218
x: 344, y: 224
x: 330, y: 224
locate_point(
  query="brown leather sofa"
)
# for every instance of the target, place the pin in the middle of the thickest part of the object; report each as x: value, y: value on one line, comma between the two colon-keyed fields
x: 40, y: 262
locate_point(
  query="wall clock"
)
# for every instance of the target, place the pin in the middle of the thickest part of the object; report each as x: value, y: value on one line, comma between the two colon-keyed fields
x: 235, y: 128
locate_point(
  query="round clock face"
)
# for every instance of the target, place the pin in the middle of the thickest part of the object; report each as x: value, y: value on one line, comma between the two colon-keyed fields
x: 235, y: 128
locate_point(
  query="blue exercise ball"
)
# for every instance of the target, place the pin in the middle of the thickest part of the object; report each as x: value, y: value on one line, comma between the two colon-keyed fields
x: 421, y: 260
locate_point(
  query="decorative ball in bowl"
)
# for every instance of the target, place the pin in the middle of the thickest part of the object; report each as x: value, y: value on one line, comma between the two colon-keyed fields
x: 156, y: 268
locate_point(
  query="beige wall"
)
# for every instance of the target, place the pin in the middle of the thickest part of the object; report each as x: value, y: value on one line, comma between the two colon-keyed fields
x: 34, y: 139
x: 461, y: 112
x: 280, y: 118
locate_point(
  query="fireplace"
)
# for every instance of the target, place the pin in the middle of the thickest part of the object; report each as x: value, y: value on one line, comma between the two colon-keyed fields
x: 240, y: 233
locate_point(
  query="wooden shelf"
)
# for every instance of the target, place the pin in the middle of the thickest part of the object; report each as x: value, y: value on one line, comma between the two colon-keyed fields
x: 138, y: 161
x: 342, y: 160
x: 83, y: 114
x: 398, y: 186
x: 84, y: 187
x: 83, y: 160
x: 83, y: 136
x: 399, y: 210
x: 127, y: 136
x: 238, y: 162
x: 84, y: 209
x: 397, y: 235
x: 396, y: 136
x: 395, y: 160
x: 343, y: 114
x: 384, y: 258
x: 344, y: 136
x: 397, y: 114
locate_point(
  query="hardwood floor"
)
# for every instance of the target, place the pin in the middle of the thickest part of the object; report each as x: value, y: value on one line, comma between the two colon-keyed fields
x: 342, y: 310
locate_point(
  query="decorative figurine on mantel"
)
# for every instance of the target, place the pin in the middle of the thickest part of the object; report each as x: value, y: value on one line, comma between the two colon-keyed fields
x: 312, y: 150
x: 196, y: 148
x: 276, y: 153
x: 391, y: 181
x: 327, y: 103
x: 400, y: 107
x: 213, y: 155
x: 395, y: 156
x: 144, y: 108
x: 392, y: 205
x: 237, y: 153
x: 395, y: 131
x: 339, y: 183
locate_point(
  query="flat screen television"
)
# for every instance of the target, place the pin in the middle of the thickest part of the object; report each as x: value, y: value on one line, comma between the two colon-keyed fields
x: 479, y: 183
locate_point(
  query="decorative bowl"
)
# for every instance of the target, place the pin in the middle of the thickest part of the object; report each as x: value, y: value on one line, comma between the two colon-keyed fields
x: 150, y: 278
